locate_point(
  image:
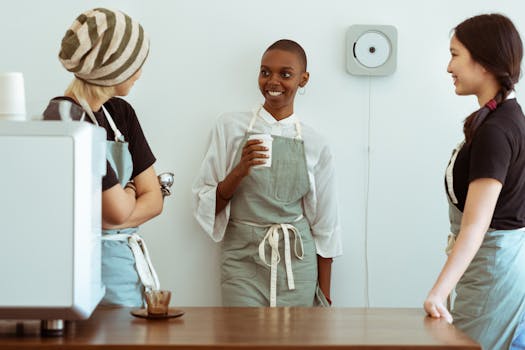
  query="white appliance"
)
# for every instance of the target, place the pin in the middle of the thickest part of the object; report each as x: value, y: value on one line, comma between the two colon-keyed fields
x: 12, y: 96
x: 50, y: 219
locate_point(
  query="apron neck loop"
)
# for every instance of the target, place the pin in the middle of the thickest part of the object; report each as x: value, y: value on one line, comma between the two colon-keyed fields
x: 449, y: 173
x: 256, y: 112
x: 298, y: 130
x: 118, y: 135
x: 87, y: 109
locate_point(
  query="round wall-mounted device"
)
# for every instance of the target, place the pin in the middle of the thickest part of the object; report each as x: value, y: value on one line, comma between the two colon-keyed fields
x: 371, y: 50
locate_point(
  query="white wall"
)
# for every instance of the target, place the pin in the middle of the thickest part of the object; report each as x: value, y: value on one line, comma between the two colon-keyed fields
x: 204, y: 60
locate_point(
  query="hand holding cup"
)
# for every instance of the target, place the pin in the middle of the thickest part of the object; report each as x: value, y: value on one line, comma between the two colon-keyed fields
x: 267, y: 143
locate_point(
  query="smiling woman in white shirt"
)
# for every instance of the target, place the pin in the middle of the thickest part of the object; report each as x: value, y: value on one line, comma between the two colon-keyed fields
x: 272, y: 204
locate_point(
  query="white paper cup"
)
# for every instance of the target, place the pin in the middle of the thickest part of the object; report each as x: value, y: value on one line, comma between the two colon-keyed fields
x: 267, y: 142
x: 12, y: 96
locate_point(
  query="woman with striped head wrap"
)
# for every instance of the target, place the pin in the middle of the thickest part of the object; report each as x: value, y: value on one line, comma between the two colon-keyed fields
x: 105, y: 50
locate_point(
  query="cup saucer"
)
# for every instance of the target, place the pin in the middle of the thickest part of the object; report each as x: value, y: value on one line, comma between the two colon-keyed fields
x: 143, y: 313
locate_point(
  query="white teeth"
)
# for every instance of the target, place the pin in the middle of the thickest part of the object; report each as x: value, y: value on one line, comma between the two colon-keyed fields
x: 275, y: 93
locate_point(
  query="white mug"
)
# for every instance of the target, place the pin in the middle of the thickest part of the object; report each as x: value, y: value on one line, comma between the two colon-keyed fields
x: 267, y: 140
x: 12, y: 96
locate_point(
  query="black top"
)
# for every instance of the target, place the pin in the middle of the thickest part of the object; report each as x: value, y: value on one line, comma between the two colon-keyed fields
x: 126, y: 121
x: 497, y: 151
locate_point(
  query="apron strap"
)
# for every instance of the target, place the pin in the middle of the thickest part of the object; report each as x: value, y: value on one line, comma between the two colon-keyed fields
x: 272, y: 236
x: 449, y: 174
x: 148, y: 275
x: 118, y: 135
x: 87, y: 109
x: 298, y: 129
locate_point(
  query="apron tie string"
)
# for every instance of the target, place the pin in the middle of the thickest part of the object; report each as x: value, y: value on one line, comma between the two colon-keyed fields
x: 148, y: 275
x: 451, y: 240
x: 272, y: 238
x: 452, y: 237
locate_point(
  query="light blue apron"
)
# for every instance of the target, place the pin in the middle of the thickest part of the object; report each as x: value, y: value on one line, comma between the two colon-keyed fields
x: 126, y: 266
x: 269, y: 256
x: 490, y: 296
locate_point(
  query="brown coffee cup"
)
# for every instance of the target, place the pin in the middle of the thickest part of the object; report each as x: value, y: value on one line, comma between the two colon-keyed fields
x: 158, y: 302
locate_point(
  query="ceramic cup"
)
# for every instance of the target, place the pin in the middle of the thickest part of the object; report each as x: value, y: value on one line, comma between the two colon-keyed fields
x: 158, y: 302
x: 267, y: 142
x: 12, y: 96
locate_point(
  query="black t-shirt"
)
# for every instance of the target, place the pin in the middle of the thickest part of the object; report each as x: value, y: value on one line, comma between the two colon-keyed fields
x: 126, y: 121
x: 497, y: 151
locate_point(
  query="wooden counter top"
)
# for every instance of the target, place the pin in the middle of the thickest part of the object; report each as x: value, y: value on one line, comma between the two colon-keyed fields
x: 248, y: 328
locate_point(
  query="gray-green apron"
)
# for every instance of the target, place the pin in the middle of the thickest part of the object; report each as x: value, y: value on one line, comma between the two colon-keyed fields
x: 269, y: 256
x: 126, y: 266
x: 490, y: 296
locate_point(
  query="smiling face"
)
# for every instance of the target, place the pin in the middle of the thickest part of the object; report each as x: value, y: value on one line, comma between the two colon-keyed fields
x: 469, y: 76
x: 281, y: 74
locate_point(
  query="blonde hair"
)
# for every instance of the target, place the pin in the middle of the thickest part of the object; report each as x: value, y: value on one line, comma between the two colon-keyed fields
x: 89, y: 91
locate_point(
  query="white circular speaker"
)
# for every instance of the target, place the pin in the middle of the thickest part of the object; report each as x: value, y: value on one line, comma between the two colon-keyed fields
x: 372, y: 49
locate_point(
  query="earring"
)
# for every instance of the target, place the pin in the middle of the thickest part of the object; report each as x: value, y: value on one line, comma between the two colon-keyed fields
x: 302, y: 90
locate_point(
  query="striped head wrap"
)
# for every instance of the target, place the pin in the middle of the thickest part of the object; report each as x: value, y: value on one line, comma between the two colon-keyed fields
x: 104, y: 47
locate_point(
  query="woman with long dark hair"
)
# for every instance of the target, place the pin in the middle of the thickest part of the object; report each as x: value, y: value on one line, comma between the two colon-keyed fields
x: 485, y: 183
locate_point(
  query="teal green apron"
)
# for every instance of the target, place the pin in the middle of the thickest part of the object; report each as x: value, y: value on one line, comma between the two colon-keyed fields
x: 126, y: 266
x: 490, y: 296
x: 268, y: 252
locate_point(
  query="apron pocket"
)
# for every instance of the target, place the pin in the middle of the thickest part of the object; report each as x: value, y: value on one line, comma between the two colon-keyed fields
x: 289, y: 183
x: 306, y: 269
x: 238, y: 250
x: 237, y: 264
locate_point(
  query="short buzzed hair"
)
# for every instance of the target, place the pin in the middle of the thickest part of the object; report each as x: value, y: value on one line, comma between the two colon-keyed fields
x: 290, y: 46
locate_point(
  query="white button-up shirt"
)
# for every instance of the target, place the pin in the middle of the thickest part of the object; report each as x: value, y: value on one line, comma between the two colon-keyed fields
x: 319, y: 204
